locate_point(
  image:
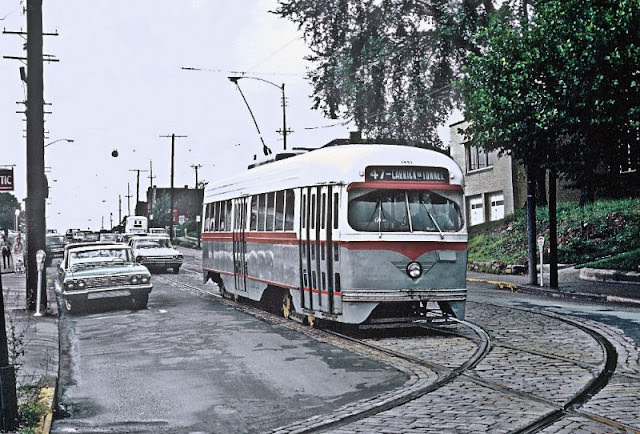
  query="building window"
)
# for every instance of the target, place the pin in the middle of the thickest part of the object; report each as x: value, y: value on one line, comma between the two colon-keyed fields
x: 478, y: 158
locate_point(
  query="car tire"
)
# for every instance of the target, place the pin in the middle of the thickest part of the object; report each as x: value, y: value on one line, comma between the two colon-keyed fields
x: 140, y: 301
x: 76, y: 306
x: 176, y: 270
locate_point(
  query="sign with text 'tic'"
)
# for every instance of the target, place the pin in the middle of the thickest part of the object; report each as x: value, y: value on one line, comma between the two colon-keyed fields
x: 6, y: 179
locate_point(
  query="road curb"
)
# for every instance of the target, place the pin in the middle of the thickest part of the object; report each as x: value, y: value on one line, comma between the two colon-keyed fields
x: 46, y: 397
x: 529, y: 289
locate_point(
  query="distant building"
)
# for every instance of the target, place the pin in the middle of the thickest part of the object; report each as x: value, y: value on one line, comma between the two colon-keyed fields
x: 494, y: 186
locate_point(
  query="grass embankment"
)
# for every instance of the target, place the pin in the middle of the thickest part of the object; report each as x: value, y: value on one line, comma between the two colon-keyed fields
x: 605, y: 234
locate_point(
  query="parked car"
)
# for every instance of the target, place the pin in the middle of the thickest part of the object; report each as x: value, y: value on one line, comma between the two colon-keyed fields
x: 54, y: 247
x: 158, y: 231
x: 80, y: 236
x: 156, y: 252
x: 93, y: 271
x: 69, y: 234
x: 108, y: 236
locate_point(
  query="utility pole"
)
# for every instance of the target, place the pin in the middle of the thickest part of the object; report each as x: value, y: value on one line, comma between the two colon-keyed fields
x: 137, y: 183
x: 119, y: 209
x: 173, y: 153
x: 196, y: 167
x: 128, y: 196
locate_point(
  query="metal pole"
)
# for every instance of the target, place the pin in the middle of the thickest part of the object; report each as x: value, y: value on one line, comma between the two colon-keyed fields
x: 284, y: 119
x: 173, y: 153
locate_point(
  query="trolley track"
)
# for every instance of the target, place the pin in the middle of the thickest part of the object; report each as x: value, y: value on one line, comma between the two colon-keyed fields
x: 444, y: 374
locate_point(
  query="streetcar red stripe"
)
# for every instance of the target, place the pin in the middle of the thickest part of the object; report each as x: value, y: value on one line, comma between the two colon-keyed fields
x: 412, y: 250
x: 257, y: 279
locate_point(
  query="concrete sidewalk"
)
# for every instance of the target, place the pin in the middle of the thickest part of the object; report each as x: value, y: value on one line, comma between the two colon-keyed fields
x: 587, y: 283
x: 32, y: 343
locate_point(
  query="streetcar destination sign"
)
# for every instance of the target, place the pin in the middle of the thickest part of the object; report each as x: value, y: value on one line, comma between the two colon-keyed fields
x: 404, y: 173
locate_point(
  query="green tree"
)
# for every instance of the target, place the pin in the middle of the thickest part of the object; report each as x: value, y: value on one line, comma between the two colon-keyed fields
x: 161, y: 211
x: 388, y: 64
x: 561, y: 92
x: 8, y: 206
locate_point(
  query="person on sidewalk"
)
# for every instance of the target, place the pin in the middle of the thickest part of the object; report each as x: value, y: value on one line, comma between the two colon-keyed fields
x: 5, y: 246
x: 17, y: 251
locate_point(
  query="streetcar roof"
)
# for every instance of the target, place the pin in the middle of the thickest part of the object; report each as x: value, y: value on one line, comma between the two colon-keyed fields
x: 342, y: 164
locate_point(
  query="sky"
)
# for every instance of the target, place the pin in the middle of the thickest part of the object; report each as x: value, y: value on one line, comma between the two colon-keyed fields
x: 119, y: 85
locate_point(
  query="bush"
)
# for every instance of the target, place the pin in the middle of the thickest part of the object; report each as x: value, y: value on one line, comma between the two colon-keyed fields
x: 585, y: 234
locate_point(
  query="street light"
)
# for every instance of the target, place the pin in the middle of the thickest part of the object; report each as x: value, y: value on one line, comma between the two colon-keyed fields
x: 59, y: 140
x: 283, y: 131
x: 17, y: 219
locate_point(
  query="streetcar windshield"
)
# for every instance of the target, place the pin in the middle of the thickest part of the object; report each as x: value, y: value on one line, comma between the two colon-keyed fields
x: 405, y: 210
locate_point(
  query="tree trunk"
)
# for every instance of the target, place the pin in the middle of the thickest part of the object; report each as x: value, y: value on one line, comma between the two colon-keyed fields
x: 553, y: 231
x: 531, y: 224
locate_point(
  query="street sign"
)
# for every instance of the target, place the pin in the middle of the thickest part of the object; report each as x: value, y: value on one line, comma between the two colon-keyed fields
x: 6, y: 179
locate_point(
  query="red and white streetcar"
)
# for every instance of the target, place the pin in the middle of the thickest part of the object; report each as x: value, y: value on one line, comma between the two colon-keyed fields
x: 360, y: 234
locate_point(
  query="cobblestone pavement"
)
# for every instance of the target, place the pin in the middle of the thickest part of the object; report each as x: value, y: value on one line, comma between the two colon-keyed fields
x: 537, y: 364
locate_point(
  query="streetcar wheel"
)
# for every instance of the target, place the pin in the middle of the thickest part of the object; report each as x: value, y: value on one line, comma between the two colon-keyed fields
x: 287, y: 305
x: 311, y: 320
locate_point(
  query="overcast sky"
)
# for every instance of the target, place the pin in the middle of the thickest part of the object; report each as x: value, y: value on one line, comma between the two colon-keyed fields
x: 119, y: 85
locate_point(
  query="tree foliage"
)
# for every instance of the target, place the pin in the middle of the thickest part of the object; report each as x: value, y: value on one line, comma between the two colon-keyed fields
x: 8, y: 206
x: 559, y: 91
x: 161, y: 211
x: 388, y: 64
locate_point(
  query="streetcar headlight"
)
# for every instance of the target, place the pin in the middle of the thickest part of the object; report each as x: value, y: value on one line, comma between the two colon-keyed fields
x: 414, y: 270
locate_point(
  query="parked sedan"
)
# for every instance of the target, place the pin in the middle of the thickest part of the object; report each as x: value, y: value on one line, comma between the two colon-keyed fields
x: 54, y: 246
x: 156, y: 252
x: 92, y: 271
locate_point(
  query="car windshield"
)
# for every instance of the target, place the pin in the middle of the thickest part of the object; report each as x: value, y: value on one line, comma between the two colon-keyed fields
x: 152, y: 243
x: 405, y: 210
x: 99, y: 257
x: 58, y: 239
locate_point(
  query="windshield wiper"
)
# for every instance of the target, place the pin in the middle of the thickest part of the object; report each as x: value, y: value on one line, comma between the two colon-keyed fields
x: 433, y: 219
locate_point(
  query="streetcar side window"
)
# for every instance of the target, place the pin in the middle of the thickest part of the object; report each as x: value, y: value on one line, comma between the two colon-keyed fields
x: 279, y: 225
x: 261, y: 212
x: 336, y: 205
x: 215, y: 217
x: 226, y: 224
x: 313, y: 212
x: 254, y: 213
x: 323, y: 212
x: 270, y: 210
x: 289, y: 210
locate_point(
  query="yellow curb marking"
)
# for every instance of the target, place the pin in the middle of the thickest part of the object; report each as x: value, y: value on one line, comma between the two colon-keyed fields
x: 46, y: 397
x: 502, y: 285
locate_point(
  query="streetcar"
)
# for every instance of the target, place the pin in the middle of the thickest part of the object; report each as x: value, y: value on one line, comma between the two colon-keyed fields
x: 366, y: 234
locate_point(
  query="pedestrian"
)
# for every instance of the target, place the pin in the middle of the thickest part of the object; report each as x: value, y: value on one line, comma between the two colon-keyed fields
x: 5, y: 245
x: 17, y: 251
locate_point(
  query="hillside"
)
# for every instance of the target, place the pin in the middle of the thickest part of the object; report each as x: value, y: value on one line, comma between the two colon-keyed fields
x: 605, y: 234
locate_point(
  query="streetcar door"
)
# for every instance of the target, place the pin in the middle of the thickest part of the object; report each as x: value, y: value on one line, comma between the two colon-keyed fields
x: 240, y: 244
x: 324, y: 248
x: 306, y: 251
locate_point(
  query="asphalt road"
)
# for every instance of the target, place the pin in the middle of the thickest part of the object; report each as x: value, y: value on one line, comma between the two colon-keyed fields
x: 189, y: 363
